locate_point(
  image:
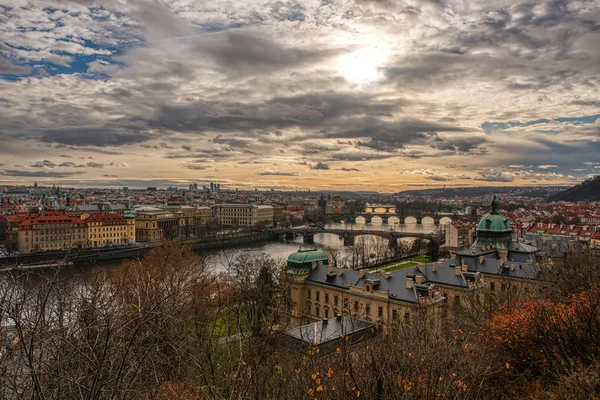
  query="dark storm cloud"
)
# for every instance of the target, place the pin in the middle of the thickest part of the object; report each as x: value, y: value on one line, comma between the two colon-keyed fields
x: 392, y: 136
x: 319, y: 165
x: 276, y: 114
x: 38, y: 174
x: 241, y: 53
x: 110, y: 134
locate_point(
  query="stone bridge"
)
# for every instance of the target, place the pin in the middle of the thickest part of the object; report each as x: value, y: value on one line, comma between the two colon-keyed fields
x: 308, y: 234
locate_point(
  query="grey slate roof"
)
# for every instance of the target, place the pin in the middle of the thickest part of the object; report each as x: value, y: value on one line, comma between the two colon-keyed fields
x: 394, y: 284
x: 322, y: 332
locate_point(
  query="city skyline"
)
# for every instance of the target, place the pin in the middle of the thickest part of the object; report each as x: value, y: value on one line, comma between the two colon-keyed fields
x: 364, y: 95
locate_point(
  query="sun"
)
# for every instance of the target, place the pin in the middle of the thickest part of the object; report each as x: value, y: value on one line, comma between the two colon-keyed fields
x: 363, y: 66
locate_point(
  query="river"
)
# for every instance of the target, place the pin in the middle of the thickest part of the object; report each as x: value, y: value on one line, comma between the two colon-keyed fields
x: 218, y: 259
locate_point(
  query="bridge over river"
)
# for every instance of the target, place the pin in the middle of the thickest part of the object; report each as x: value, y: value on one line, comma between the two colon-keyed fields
x: 348, y: 235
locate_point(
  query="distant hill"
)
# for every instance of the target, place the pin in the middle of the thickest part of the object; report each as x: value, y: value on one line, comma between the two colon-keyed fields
x: 482, y: 191
x: 588, y: 190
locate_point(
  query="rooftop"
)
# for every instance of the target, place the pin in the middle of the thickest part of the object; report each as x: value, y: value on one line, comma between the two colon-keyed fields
x: 329, y: 330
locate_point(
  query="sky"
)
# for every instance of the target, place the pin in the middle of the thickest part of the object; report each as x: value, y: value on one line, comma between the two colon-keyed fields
x: 349, y: 95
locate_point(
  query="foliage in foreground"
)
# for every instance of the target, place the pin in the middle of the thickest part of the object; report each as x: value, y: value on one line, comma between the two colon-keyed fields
x: 167, y: 327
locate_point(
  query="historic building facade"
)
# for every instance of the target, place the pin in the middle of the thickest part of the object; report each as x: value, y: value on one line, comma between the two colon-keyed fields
x: 493, y: 263
x: 318, y: 290
x: 110, y: 229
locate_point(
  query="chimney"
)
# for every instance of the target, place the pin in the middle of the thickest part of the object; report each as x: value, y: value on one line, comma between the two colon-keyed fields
x: 329, y: 269
x: 421, y: 268
x: 409, y: 283
x: 481, y: 258
x: 419, y: 279
x: 457, y: 270
x: 340, y: 271
x: 324, y: 321
x: 433, y: 267
x: 362, y: 273
x: 338, y: 317
x: 388, y: 275
x: 464, y: 268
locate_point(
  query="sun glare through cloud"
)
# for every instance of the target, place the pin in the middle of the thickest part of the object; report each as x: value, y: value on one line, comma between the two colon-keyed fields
x: 363, y: 66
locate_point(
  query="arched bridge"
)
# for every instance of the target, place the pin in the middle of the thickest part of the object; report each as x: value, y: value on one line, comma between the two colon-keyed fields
x: 348, y: 235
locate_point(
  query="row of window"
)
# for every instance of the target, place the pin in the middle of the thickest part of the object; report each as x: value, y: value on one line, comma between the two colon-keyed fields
x: 109, y: 229
x: 52, y: 238
x: 55, y: 231
x: 367, y: 312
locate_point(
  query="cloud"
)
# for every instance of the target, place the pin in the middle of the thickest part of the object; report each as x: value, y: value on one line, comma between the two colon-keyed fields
x: 110, y: 134
x: 95, y: 165
x: 319, y: 165
x: 44, y: 164
x: 6, y: 67
x: 277, y: 173
x: 38, y: 174
x: 263, y: 84
x: 349, y: 169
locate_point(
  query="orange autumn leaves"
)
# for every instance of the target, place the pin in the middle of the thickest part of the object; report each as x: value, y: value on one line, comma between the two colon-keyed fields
x: 538, y: 333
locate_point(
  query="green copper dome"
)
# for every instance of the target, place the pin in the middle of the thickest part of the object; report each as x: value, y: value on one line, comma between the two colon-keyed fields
x: 494, y: 221
x: 494, y: 229
x: 307, y: 256
x: 300, y: 262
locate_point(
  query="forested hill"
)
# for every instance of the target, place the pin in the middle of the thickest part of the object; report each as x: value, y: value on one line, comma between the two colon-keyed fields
x: 588, y: 190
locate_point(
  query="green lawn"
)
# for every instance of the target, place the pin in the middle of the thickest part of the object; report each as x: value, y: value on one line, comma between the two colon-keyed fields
x: 420, y: 258
x: 401, y: 266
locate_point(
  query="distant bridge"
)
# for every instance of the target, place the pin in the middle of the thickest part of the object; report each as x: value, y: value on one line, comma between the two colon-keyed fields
x: 393, y: 219
x: 308, y: 234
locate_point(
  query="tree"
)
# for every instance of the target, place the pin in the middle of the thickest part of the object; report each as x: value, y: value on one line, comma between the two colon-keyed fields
x: 432, y: 250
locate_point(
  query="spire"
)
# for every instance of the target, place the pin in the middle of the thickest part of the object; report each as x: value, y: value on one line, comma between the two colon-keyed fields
x: 494, y: 205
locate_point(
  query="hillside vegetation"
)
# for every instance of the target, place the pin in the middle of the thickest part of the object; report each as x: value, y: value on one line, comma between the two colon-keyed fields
x: 588, y: 190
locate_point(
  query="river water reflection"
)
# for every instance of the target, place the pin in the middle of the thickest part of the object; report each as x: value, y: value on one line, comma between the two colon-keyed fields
x: 218, y: 259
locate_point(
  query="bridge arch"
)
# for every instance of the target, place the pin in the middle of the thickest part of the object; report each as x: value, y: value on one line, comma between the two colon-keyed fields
x: 428, y: 221
x: 393, y: 221
x: 360, y: 220
x: 410, y: 221
x: 445, y: 220
x: 376, y: 220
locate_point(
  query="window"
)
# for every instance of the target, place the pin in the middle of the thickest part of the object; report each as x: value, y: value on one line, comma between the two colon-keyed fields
x: 380, y: 312
x: 335, y: 301
x: 327, y: 298
x: 308, y: 308
x: 457, y: 300
x: 406, y: 317
x: 317, y: 311
x: 309, y: 294
x: 368, y: 309
x: 318, y: 296
x: 492, y: 286
x: 355, y: 305
x: 395, y: 315
x: 326, y: 313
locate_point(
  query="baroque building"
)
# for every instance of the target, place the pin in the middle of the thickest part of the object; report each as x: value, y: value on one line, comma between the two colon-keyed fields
x: 494, y: 262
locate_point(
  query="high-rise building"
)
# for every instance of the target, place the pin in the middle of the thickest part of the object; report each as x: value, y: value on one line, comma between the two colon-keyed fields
x: 212, y: 187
